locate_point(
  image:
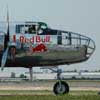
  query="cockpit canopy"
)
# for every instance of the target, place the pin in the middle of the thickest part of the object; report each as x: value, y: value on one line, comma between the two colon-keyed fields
x: 31, y: 27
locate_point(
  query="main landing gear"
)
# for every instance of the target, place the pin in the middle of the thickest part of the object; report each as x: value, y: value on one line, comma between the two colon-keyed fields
x: 60, y: 87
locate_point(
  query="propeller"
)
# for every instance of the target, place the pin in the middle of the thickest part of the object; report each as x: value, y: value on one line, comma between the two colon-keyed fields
x: 6, y: 46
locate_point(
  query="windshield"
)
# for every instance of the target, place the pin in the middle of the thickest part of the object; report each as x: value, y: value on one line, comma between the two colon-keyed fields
x: 26, y: 29
x: 43, y: 25
x: 31, y: 28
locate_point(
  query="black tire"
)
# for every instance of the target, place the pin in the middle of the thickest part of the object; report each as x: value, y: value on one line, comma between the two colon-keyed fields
x: 61, y: 90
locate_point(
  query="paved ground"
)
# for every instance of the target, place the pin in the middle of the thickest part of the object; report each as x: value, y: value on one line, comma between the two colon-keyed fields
x: 48, y: 85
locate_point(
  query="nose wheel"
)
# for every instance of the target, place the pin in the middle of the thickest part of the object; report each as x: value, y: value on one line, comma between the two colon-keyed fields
x: 61, y: 87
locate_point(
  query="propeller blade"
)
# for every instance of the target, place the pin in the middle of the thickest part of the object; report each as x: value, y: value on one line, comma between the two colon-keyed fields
x: 4, y: 59
x: 6, y: 46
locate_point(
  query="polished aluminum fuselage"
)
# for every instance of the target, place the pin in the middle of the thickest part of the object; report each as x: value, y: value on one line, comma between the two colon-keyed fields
x: 48, y: 50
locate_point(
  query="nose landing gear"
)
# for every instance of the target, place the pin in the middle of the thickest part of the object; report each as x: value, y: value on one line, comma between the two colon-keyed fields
x: 60, y: 87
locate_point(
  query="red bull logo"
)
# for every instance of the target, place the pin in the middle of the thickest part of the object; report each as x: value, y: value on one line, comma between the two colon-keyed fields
x: 33, y: 39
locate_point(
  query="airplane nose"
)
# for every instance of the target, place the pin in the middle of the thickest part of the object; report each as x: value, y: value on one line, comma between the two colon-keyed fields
x: 90, y: 47
x: 78, y: 40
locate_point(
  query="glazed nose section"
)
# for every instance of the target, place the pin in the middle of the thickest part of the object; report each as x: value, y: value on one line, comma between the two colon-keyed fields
x: 87, y: 42
x: 90, y: 47
x: 77, y: 40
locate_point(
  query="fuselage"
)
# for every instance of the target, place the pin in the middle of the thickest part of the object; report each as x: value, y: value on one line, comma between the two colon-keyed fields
x: 31, y: 45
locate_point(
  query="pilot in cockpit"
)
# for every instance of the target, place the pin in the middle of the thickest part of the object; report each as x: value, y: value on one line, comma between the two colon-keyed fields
x: 30, y: 29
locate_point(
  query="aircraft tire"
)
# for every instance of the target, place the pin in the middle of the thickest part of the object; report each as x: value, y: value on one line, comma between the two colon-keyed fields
x: 63, y: 89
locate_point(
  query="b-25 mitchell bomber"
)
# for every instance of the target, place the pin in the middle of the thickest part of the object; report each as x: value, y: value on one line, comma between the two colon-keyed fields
x: 34, y: 44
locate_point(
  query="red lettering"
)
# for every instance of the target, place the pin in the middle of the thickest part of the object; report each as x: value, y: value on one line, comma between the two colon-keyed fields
x: 43, y: 40
x: 32, y: 39
x: 47, y: 38
x: 14, y: 38
x: 38, y: 39
x: 27, y: 40
x: 22, y: 39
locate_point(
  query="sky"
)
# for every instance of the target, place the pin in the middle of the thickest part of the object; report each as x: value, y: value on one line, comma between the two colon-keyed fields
x: 80, y: 16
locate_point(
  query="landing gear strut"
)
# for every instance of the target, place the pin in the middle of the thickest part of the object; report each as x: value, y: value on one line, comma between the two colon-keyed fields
x: 31, y: 74
x: 60, y: 87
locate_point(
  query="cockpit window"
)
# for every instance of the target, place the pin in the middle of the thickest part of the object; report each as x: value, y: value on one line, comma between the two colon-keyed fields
x: 30, y: 29
x: 43, y: 25
x: 18, y: 28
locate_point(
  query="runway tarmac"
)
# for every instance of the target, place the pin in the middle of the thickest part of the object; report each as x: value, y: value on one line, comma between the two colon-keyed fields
x: 75, y: 85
